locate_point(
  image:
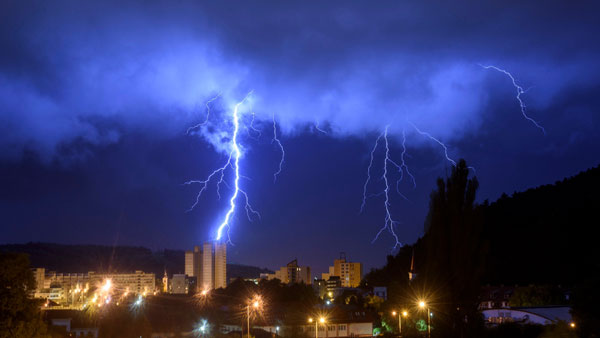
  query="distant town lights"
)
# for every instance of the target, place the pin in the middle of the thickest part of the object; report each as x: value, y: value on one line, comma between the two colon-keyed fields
x: 107, y: 285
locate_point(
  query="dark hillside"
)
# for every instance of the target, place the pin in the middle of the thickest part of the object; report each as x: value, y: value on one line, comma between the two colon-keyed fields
x: 84, y: 258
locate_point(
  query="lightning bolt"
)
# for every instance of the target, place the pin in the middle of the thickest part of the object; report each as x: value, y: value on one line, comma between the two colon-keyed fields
x: 403, y: 165
x: 389, y: 222
x: 278, y: 142
x: 364, y: 200
x: 251, y: 127
x: 435, y: 140
x: 520, y: 91
x: 236, y: 153
x: 319, y: 129
x: 428, y: 135
x: 207, y: 105
x: 233, y: 163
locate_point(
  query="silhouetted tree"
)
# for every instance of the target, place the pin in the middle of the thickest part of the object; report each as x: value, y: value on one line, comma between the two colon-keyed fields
x: 19, y: 314
x: 454, y: 253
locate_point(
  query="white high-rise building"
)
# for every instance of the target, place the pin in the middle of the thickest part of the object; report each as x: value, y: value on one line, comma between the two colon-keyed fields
x: 220, y: 276
x: 193, y: 265
x: 208, y: 265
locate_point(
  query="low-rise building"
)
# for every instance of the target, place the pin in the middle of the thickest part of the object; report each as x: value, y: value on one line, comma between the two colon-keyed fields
x: 179, y: 284
x: 292, y: 273
x: 527, y: 315
x: 68, y: 289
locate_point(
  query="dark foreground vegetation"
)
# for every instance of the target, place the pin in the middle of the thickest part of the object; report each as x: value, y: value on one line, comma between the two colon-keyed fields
x: 542, y: 238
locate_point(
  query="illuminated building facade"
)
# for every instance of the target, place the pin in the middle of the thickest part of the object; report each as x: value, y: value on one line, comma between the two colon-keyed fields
x: 208, y: 265
x: 193, y: 264
x: 350, y: 273
x: 214, y: 267
x: 68, y: 288
x: 138, y: 282
x: 292, y: 273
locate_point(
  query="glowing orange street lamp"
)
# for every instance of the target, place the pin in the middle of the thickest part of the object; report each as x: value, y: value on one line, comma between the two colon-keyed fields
x: 404, y: 313
x: 321, y: 320
x: 255, y: 304
x: 422, y: 305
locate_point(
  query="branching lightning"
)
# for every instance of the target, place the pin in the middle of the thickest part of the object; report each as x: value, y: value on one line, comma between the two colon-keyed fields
x: 251, y: 127
x: 233, y: 163
x: 236, y: 152
x: 403, y: 165
x: 364, y: 201
x: 520, y: 91
x: 428, y: 135
x: 389, y: 222
x: 278, y: 142
x: 207, y: 105
x: 435, y: 140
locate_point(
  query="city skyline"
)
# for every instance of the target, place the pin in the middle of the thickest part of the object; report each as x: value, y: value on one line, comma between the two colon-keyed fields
x: 281, y: 169
x: 98, y: 126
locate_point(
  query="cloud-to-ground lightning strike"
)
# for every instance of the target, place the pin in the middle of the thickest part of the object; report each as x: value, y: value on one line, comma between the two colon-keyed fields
x: 520, y: 91
x: 237, y: 153
x: 389, y: 222
x: 233, y: 162
x: 278, y: 142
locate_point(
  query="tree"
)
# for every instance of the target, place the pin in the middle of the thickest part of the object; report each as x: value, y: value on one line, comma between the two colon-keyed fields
x: 454, y: 253
x: 19, y: 314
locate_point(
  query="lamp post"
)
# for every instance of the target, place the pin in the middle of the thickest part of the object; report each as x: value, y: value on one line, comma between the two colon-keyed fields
x: 310, y: 320
x: 423, y: 305
x: 404, y: 313
x: 321, y: 320
x: 255, y: 304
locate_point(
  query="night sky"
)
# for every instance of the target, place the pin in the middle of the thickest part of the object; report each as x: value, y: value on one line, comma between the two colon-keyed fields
x: 96, y: 99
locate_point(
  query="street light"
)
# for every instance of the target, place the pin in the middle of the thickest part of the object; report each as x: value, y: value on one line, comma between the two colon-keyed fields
x: 404, y: 313
x: 255, y: 304
x: 423, y: 305
x: 321, y: 320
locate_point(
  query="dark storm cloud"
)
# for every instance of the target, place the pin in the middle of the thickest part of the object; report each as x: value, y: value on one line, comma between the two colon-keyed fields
x: 110, y: 88
x: 355, y: 66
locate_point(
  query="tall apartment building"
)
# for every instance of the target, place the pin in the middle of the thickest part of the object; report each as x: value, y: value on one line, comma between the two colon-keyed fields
x: 193, y: 264
x: 292, y: 273
x: 208, y: 265
x: 350, y: 273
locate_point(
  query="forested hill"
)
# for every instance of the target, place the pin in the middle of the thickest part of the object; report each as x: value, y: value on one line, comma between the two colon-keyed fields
x: 84, y: 258
x: 545, y: 234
